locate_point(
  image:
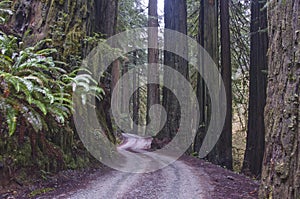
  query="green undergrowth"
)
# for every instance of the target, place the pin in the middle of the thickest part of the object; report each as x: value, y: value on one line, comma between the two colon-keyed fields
x: 38, y: 74
x: 40, y: 192
x: 36, y: 110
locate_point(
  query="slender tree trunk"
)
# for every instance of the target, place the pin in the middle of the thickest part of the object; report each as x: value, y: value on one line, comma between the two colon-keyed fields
x: 153, y: 57
x: 201, y: 87
x: 258, y: 82
x: 224, y: 145
x: 135, y: 116
x: 281, y: 163
x: 125, y: 87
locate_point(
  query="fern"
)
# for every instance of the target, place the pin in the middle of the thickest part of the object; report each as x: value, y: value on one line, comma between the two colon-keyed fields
x: 35, y: 88
x: 5, y: 10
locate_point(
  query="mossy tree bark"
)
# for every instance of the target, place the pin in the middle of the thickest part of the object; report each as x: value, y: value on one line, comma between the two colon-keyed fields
x: 281, y: 164
x: 67, y: 23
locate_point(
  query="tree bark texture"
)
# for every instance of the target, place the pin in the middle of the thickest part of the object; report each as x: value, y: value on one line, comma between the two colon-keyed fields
x: 281, y: 163
x: 67, y: 23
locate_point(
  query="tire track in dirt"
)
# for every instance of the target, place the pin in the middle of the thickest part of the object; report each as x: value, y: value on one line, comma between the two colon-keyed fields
x: 176, y: 181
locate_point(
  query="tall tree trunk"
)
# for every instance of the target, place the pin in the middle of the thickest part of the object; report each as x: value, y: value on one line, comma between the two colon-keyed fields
x: 258, y: 82
x: 201, y: 88
x: 175, y: 19
x: 106, y: 17
x: 125, y: 86
x: 281, y: 163
x: 153, y: 57
x: 210, y: 29
x: 135, y: 104
x: 208, y: 39
x: 105, y: 22
x: 223, y: 148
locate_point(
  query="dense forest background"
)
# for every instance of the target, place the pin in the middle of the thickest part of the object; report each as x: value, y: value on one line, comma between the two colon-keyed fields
x: 255, y: 45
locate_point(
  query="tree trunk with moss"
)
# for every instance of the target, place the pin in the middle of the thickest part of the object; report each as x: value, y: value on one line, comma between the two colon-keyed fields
x: 281, y: 164
x: 67, y: 23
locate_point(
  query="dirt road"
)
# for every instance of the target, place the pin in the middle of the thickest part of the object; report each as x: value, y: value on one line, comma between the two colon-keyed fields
x: 177, y: 180
x: 186, y: 178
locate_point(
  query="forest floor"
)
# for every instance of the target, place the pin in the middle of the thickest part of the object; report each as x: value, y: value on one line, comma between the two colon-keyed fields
x: 187, y: 177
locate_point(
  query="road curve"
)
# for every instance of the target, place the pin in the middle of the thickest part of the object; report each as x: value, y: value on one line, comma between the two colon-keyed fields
x: 176, y: 181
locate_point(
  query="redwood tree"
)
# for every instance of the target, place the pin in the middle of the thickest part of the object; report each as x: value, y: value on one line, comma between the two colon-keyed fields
x: 175, y: 19
x: 153, y: 57
x: 281, y: 163
x: 208, y: 39
x: 258, y: 82
x: 67, y: 23
x: 224, y: 144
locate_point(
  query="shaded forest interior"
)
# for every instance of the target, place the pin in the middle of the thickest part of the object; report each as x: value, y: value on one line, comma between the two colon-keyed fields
x: 254, y: 45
